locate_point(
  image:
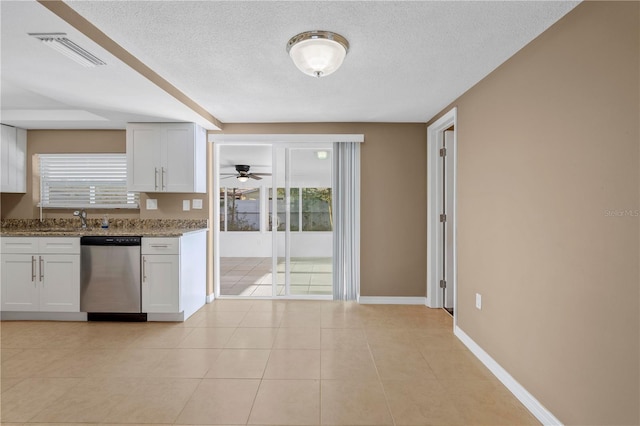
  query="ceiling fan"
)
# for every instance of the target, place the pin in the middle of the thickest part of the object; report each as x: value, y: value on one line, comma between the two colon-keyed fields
x: 244, y: 174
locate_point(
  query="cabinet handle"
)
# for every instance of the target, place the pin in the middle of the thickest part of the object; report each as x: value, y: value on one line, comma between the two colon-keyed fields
x: 155, y: 180
x: 33, y: 268
x: 144, y: 269
x: 159, y: 245
x: 163, y: 185
x: 41, y: 268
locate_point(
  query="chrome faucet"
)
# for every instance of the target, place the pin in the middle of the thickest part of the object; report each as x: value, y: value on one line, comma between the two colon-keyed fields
x: 83, y: 217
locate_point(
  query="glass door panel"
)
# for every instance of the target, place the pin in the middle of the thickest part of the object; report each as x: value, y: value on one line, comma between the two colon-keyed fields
x: 308, y: 232
x: 245, y: 242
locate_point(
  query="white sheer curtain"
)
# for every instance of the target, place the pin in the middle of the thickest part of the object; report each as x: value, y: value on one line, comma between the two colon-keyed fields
x: 346, y: 226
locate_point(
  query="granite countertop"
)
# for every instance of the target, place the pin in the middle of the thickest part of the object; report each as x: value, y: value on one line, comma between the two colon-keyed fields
x: 121, y: 227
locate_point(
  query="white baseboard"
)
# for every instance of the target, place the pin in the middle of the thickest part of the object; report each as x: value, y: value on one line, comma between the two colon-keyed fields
x: 391, y: 300
x: 210, y: 298
x: 528, y: 400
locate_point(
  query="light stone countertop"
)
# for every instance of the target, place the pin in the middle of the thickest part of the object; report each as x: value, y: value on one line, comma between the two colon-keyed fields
x: 79, y: 232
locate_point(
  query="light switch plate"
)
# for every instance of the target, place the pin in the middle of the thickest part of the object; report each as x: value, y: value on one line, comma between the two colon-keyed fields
x: 152, y: 204
x: 478, y: 301
x: 196, y: 204
x: 186, y: 205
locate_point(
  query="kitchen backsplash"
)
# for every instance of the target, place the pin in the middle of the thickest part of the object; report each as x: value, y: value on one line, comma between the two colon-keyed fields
x: 96, y: 223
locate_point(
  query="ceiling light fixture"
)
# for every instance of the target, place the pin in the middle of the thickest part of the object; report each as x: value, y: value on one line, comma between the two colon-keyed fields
x: 242, y: 178
x: 60, y: 43
x: 318, y: 53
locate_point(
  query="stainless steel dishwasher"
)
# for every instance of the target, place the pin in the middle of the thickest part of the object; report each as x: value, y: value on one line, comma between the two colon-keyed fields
x: 110, y: 278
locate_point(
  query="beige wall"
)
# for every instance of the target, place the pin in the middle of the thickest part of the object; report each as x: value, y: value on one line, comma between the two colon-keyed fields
x: 548, y: 149
x: 23, y: 206
x: 393, y: 201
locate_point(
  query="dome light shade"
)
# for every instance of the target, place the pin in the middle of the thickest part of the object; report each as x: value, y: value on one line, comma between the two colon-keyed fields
x: 242, y: 178
x: 318, y: 53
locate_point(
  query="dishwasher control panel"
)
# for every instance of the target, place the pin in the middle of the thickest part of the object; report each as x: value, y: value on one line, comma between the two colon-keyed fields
x: 110, y: 241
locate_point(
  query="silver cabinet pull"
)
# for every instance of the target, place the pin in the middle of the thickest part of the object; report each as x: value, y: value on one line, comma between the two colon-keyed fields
x: 163, y: 184
x: 41, y: 268
x: 144, y: 269
x: 159, y: 245
x: 33, y: 268
x: 155, y: 179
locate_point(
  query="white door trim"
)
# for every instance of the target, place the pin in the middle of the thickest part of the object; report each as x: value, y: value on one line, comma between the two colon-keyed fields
x: 435, y: 134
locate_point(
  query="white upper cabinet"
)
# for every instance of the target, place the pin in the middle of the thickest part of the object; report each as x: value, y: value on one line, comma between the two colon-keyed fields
x: 13, y: 161
x: 166, y: 157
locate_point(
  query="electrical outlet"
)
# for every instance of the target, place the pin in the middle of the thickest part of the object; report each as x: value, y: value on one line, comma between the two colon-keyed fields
x: 152, y: 204
x: 196, y: 204
x: 478, y: 301
x: 186, y: 205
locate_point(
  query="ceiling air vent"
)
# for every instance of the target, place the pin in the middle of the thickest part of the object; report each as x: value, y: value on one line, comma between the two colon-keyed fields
x: 60, y: 42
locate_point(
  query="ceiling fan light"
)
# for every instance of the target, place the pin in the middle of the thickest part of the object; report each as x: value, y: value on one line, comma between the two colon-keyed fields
x: 318, y: 53
x: 242, y: 178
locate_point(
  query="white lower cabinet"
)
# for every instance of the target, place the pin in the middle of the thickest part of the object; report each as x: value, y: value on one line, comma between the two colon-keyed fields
x: 174, y: 276
x: 40, y: 274
x: 160, y: 283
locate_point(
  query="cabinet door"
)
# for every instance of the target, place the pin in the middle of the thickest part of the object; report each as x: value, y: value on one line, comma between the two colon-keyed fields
x: 178, y: 162
x: 144, y: 152
x: 19, y: 282
x: 160, y: 284
x: 60, y: 285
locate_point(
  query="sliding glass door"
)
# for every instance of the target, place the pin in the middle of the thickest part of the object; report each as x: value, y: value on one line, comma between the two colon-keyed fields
x: 276, y: 226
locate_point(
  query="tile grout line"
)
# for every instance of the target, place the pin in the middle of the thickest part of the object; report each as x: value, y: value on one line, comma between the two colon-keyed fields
x: 384, y: 391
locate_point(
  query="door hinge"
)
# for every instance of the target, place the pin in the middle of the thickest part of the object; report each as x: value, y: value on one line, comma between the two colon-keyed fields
x: 443, y: 284
x: 443, y: 218
x: 443, y: 152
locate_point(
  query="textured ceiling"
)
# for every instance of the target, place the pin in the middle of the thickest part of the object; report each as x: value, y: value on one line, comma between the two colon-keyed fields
x: 407, y: 61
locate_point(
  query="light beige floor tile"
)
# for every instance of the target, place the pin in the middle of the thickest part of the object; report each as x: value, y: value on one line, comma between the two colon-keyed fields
x: 298, y: 338
x: 401, y: 364
x: 287, y: 402
x: 304, y: 306
x: 154, y: 400
x: 354, y: 403
x: 258, y: 319
x: 293, y: 364
x: 222, y: 319
x: 26, y: 399
x: 294, y: 318
x: 186, y: 363
x: 348, y: 365
x: 7, y: 383
x: 482, y: 402
x: 90, y: 401
x: 396, y: 338
x: 421, y: 402
x: 231, y: 305
x: 239, y: 364
x: 7, y: 353
x: 207, y: 338
x: 31, y: 362
x: 80, y: 363
x: 340, y: 319
x: 131, y: 363
x: 268, y: 306
x: 344, y: 339
x: 220, y: 401
x: 436, y: 341
x: 167, y: 338
x: 456, y: 365
x: 252, y: 338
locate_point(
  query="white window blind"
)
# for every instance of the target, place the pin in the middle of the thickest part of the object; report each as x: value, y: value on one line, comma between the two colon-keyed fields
x: 85, y: 181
